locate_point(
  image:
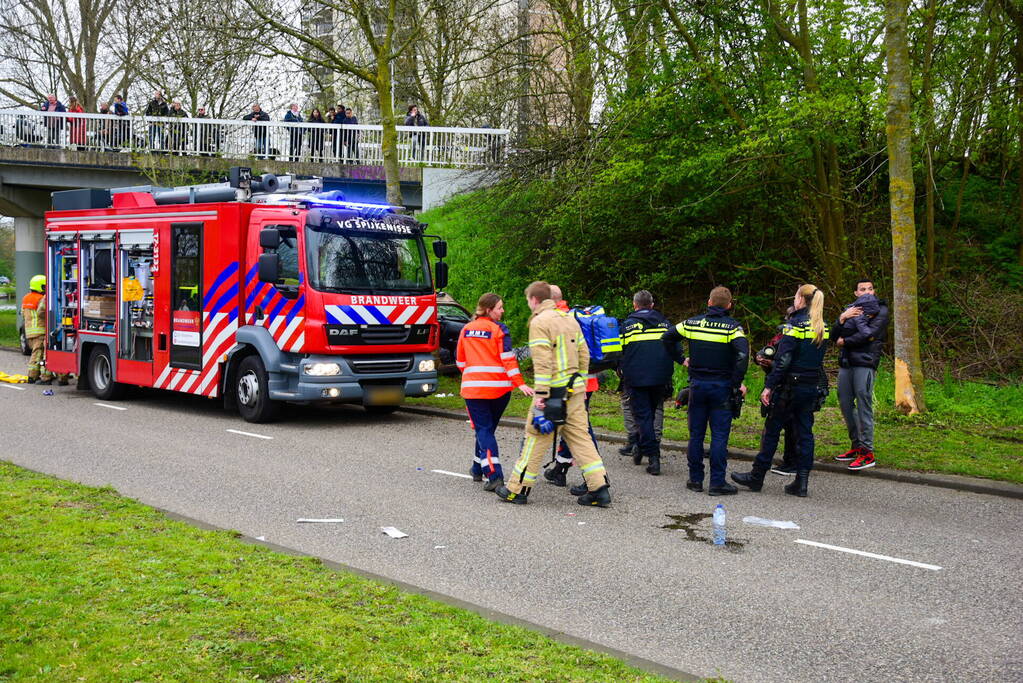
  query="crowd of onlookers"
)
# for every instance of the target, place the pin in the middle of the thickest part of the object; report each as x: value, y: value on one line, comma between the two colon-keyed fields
x: 177, y: 138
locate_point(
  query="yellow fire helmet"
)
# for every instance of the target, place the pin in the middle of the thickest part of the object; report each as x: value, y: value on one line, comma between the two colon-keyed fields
x: 37, y: 283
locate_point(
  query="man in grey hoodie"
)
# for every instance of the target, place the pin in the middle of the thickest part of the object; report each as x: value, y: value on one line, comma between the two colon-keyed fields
x: 860, y: 336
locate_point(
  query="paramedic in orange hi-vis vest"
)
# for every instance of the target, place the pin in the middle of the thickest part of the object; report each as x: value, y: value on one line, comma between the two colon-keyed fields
x: 489, y: 373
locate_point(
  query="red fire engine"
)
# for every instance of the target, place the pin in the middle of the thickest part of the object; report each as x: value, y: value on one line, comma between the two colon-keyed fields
x: 256, y: 291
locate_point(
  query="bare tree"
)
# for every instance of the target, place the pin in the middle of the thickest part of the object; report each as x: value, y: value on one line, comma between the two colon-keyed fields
x: 197, y: 59
x: 84, y: 48
x: 357, y: 38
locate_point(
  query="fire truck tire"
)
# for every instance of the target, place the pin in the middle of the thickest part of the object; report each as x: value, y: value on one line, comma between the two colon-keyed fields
x: 254, y: 402
x: 380, y: 410
x: 101, y: 376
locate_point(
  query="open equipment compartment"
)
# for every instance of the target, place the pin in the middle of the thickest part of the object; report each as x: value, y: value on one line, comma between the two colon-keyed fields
x: 62, y: 292
x: 136, y: 324
x: 99, y: 294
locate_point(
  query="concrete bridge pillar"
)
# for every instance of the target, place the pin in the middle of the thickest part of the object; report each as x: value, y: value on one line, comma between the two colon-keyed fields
x: 29, y: 248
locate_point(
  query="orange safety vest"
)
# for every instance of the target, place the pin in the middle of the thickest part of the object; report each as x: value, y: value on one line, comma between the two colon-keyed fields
x: 33, y: 311
x: 486, y: 359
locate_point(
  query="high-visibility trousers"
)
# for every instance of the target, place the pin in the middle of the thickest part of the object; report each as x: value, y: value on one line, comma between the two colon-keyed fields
x: 536, y: 446
x: 37, y: 361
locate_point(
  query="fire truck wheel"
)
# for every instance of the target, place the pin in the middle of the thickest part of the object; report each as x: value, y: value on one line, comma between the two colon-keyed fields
x: 254, y: 403
x: 101, y: 376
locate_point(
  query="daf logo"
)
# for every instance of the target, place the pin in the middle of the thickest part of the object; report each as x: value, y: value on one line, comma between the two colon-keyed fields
x: 342, y: 333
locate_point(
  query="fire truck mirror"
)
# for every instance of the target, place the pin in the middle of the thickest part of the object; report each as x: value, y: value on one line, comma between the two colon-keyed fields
x: 269, y: 267
x: 269, y: 238
x: 440, y: 273
x: 440, y: 249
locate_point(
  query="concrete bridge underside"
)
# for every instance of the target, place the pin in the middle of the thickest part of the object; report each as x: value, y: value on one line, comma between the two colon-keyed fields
x: 29, y: 174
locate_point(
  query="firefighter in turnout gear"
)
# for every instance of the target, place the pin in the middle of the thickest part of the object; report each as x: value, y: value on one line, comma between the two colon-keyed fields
x: 33, y: 312
x: 560, y: 363
x: 718, y: 358
x: 489, y: 371
x: 794, y: 389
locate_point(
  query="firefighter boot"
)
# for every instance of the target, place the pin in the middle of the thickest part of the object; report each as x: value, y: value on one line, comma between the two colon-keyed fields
x: 493, y: 484
x: 798, y: 485
x: 579, y: 489
x: 753, y: 480
x: 599, y: 498
x: 556, y: 474
x: 520, y: 498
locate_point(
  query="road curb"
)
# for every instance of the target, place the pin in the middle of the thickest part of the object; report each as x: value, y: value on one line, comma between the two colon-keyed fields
x: 641, y: 663
x: 945, y: 481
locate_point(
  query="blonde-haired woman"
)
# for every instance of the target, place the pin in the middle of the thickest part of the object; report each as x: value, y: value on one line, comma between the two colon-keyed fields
x: 792, y: 389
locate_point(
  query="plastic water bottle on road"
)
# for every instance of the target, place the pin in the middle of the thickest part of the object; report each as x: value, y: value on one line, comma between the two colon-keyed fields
x: 719, y: 525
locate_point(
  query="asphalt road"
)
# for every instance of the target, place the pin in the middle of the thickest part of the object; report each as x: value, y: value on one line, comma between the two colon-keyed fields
x: 772, y: 609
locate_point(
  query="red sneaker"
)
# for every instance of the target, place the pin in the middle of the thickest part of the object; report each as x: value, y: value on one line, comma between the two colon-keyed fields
x: 865, y: 460
x: 851, y: 454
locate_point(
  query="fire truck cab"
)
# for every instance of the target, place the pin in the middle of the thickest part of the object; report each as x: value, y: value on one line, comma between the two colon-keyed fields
x: 256, y: 292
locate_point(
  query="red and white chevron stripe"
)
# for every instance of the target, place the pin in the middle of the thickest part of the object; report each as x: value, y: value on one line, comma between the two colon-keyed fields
x: 218, y: 338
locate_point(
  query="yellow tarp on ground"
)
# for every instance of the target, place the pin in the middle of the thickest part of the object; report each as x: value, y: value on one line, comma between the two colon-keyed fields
x: 13, y: 379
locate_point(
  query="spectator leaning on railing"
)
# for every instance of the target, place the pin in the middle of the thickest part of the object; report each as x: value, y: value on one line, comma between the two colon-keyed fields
x: 156, y: 107
x: 122, y: 129
x: 178, y: 132
x: 76, y: 126
x: 258, y: 132
x: 294, y: 115
x: 54, y: 124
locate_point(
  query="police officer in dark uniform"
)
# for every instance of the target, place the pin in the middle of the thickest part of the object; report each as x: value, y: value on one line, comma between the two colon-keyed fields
x: 792, y: 390
x: 718, y: 358
x: 765, y: 359
x: 647, y: 367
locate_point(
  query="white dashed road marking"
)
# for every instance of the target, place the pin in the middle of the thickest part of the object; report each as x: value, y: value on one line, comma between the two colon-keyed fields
x: 875, y: 556
x: 11, y: 386
x: 256, y: 436
x: 452, y: 474
x: 106, y: 405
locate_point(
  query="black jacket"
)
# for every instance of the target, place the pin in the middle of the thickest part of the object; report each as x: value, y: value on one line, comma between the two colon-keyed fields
x: 157, y: 108
x: 646, y: 361
x: 797, y: 356
x: 864, y: 335
x: 718, y: 348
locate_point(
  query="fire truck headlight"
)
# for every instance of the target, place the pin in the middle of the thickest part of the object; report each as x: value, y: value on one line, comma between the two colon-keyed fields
x: 323, y: 369
x: 426, y: 365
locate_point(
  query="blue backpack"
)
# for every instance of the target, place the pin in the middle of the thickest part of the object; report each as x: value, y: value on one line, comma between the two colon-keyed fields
x: 602, y: 335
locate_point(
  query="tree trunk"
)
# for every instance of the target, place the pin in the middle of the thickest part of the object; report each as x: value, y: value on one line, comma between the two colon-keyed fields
x: 927, y: 98
x: 389, y: 136
x: 909, y: 386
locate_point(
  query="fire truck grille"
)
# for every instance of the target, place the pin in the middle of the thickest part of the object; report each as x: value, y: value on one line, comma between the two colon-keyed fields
x: 377, y: 365
x: 384, y: 334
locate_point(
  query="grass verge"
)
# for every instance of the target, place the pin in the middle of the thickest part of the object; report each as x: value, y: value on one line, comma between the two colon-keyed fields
x: 9, y: 329
x: 970, y: 429
x: 97, y: 587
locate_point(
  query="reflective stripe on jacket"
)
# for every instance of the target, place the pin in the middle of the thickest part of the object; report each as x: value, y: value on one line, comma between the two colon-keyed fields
x: 558, y: 349
x: 486, y: 360
x: 33, y: 311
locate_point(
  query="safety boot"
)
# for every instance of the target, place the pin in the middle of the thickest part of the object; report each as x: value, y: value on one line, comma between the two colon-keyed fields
x: 753, y: 480
x: 493, y: 484
x: 799, y: 484
x: 654, y: 467
x: 476, y: 476
x: 578, y: 489
x: 556, y: 474
x: 630, y: 448
x: 520, y: 498
x: 45, y: 382
x: 599, y: 498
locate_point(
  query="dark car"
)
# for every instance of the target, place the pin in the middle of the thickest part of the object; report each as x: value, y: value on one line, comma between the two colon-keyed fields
x: 452, y: 317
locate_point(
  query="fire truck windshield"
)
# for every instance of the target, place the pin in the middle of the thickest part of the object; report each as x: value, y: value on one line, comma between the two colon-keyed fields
x: 348, y: 261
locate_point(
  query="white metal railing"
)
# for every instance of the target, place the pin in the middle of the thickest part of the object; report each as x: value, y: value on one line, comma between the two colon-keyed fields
x: 317, y: 143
